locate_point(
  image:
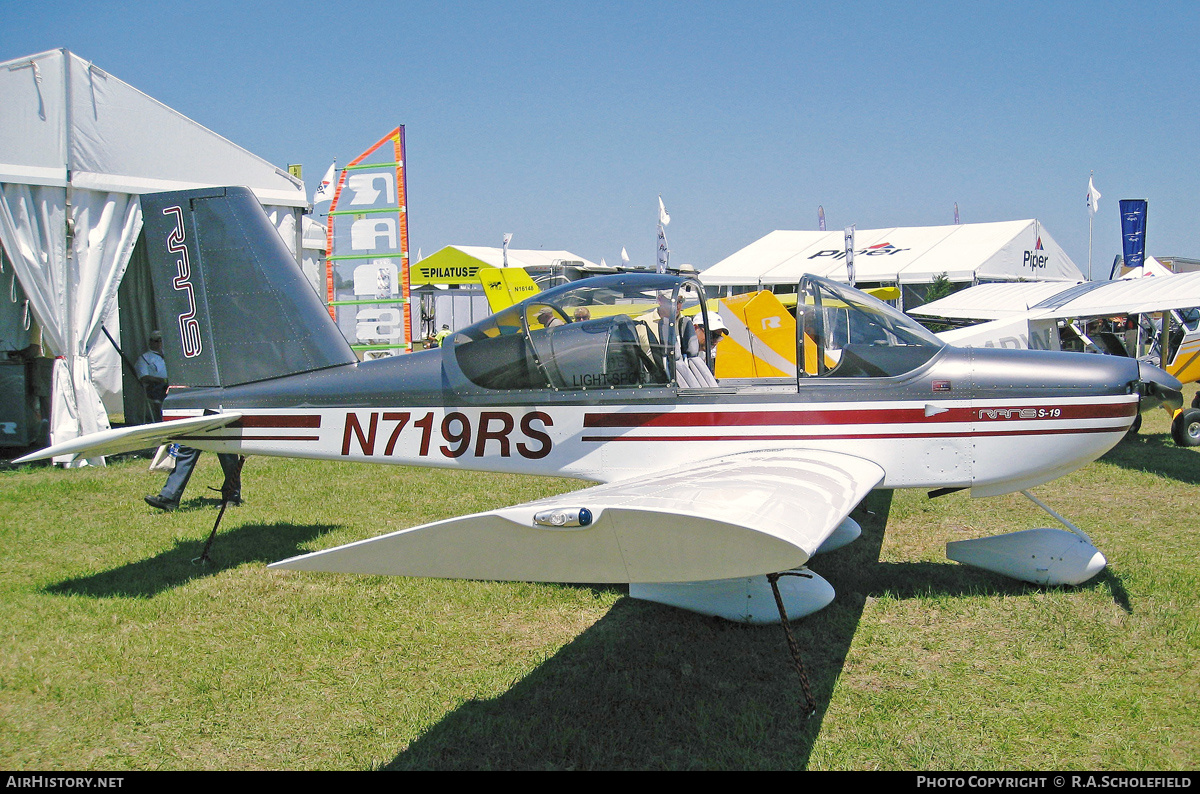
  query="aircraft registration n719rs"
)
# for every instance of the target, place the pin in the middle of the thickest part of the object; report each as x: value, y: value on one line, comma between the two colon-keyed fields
x: 706, y: 486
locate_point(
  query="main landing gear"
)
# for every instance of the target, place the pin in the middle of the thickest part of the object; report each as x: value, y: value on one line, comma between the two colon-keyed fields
x: 1042, y: 556
x: 1185, y: 427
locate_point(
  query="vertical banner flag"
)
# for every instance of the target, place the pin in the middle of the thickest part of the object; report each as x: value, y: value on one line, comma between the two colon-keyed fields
x: 624, y: 257
x: 664, y: 253
x: 1093, y: 199
x: 821, y: 217
x: 1093, y: 196
x: 1133, y: 231
x: 367, y: 277
x: 850, y: 254
x: 956, y: 213
x: 507, y: 240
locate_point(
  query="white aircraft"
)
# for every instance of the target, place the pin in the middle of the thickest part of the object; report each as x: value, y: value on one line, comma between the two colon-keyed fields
x: 706, y: 490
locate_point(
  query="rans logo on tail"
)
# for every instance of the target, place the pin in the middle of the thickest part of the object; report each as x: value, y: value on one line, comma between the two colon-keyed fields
x: 189, y: 329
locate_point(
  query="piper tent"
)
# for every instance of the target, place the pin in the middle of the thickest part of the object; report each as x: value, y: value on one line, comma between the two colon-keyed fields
x: 966, y: 253
x: 77, y: 148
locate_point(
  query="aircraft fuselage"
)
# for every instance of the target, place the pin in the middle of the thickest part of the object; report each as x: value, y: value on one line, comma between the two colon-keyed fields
x: 992, y: 420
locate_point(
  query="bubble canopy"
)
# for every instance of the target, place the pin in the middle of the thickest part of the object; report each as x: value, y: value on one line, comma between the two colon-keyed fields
x: 845, y: 333
x: 606, y: 332
x: 637, y: 331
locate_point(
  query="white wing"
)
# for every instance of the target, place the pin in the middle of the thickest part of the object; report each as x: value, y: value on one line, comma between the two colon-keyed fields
x: 1046, y: 300
x: 738, y: 515
x: 127, y: 439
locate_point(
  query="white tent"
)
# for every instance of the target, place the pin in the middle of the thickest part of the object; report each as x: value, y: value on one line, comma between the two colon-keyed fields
x: 1086, y: 299
x: 77, y: 146
x: 519, y: 257
x: 969, y: 252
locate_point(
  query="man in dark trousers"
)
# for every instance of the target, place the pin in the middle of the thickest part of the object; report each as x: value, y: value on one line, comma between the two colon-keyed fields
x: 185, y: 461
x: 185, y: 457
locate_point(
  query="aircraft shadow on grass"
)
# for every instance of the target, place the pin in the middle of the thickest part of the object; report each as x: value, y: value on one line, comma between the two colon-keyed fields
x: 174, y: 567
x: 652, y: 687
x: 1156, y: 454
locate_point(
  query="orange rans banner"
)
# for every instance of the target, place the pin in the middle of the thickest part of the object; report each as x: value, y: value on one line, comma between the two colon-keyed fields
x: 367, y: 262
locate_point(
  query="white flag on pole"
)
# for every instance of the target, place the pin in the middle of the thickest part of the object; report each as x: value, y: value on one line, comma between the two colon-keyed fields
x: 324, y: 191
x: 1093, y: 196
x: 663, y: 217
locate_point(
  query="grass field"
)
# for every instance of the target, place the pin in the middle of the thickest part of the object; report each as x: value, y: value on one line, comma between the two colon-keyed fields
x: 118, y: 653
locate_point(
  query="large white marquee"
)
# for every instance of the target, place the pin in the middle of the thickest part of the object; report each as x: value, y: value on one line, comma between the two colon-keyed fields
x: 77, y: 148
x: 969, y: 252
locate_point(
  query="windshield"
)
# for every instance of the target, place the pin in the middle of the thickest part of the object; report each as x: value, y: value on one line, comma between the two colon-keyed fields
x: 597, y: 333
x: 844, y: 333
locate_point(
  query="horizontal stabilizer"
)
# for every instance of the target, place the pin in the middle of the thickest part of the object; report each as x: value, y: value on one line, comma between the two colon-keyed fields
x: 738, y: 515
x: 128, y: 439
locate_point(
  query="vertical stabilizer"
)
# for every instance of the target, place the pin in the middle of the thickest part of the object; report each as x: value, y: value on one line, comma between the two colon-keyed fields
x: 505, y: 286
x: 233, y: 305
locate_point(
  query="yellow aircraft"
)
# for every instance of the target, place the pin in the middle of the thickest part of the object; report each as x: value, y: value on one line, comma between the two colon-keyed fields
x: 505, y: 286
x: 762, y: 336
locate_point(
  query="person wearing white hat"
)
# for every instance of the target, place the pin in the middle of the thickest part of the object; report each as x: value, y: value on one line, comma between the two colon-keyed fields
x: 716, y: 327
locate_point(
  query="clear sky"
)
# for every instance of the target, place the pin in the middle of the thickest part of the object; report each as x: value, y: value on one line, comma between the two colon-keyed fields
x: 563, y: 121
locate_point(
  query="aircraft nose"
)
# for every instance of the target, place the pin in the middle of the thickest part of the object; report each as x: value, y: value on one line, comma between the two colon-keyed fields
x: 1157, y: 387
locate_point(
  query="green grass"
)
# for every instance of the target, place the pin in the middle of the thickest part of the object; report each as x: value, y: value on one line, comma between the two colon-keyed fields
x: 118, y: 653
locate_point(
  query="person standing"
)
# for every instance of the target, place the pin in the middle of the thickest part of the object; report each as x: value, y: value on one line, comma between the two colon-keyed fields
x: 152, y: 373
x: 151, y: 369
x: 185, y: 462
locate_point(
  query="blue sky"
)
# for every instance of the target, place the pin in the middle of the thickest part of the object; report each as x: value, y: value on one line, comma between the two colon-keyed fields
x: 563, y: 121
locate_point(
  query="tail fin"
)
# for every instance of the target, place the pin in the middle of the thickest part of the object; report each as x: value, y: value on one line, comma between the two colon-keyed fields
x: 762, y: 337
x: 505, y: 286
x: 233, y: 305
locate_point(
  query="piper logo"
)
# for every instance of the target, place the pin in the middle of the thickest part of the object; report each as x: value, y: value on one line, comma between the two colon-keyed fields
x: 879, y: 249
x: 1036, y: 258
x: 189, y: 329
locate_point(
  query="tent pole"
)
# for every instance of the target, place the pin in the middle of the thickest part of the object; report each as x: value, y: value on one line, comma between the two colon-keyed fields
x: 69, y: 337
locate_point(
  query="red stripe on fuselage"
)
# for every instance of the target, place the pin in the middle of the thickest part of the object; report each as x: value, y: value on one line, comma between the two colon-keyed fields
x: 215, y: 437
x: 861, y: 436
x: 258, y: 420
x: 265, y: 420
x: 849, y: 416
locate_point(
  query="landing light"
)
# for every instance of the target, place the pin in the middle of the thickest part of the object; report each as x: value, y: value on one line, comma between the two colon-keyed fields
x: 563, y: 518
